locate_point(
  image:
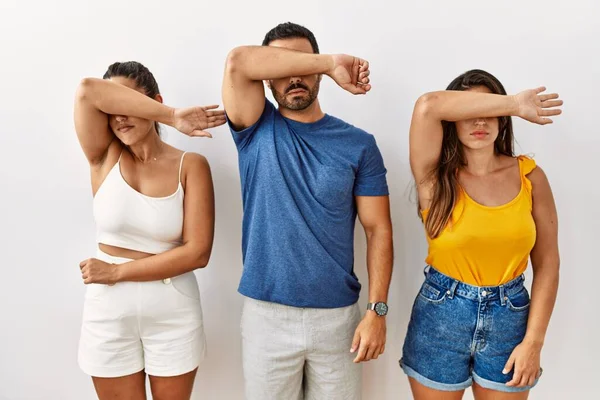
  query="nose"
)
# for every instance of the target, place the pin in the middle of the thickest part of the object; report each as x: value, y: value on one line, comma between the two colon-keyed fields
x: 295, y: 79
x: 120, y: 118
x: 480, y: 121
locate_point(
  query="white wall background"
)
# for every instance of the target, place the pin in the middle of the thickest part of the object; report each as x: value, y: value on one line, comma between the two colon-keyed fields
x: 45, y: 204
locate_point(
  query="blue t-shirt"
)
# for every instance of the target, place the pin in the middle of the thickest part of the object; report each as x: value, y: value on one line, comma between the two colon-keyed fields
x: 298, y: 186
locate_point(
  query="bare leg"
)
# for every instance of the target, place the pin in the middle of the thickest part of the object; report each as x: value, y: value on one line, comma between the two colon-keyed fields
x: 173, y: 387
x: 129, y: 387
x: 421, y: 392
x: 481, y: 393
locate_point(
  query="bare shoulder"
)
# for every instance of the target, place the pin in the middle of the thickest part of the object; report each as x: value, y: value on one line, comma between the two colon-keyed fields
x: 540, y: 186
x: 195, y: 160
x: 195, y: 166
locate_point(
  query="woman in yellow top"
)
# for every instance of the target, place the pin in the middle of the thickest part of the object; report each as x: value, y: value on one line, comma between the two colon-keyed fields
x: 485, y: 213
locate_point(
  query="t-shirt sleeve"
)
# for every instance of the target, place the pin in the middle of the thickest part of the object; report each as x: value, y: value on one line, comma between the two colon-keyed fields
x: 244, y: 136
x: 371, y: 175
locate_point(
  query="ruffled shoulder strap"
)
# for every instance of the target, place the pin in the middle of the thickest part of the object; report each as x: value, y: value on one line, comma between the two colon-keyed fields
x: 526, y: 165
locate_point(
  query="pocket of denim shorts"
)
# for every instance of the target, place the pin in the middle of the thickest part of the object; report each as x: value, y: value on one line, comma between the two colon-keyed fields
x: 519, y: 301
x: 432, y: 294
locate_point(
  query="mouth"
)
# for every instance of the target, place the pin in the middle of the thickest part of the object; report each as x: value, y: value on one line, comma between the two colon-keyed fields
x: 479, y: 134
x: 124, y: 129
x: 296, y: 92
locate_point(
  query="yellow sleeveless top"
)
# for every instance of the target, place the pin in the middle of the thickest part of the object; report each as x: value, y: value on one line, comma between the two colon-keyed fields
x: 487, y: 246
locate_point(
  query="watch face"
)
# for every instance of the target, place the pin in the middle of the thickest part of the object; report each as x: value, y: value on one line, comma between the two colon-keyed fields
x: 381, y: 308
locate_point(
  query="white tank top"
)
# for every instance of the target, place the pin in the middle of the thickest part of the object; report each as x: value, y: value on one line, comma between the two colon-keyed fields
x: 129, y: 219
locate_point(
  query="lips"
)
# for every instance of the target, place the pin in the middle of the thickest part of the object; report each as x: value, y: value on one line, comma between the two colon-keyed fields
x: 479, y: 134
x: 125, y: 128
x: 297, y: 91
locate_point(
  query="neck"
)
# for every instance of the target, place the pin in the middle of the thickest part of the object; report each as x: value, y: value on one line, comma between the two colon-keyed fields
x: 480, y: 161
x: 312, y: 113
x: 147, y: 150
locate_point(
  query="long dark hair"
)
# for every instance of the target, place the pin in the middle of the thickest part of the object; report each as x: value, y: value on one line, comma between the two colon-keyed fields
x: 140, y: 74
x: 452, y: 157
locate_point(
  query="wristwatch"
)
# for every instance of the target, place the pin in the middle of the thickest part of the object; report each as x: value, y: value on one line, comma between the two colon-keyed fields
x: 380, y: 308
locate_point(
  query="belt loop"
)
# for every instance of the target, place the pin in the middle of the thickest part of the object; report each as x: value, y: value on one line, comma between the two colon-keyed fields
x: 452, y: 289
x: 502, y: 296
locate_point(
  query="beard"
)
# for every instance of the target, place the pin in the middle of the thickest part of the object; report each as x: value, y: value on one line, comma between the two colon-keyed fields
x: 300, y: 101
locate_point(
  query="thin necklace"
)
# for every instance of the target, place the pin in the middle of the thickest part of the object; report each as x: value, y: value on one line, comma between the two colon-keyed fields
x: 153, y: 158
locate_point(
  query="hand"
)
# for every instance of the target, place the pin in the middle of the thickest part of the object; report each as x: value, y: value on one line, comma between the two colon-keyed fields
x: 534, y: 106
x: 96, y: 271
x: 351, y: 73
x: 525, y: 359
x: 369, y: 337
x: 193, y: 120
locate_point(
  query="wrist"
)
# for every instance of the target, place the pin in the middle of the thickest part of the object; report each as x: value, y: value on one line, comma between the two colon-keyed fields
x: 514, y: 108
x: 117, y: 275
x: 377, y: 308
x: 371, y: 315
x: 169, y: 118
x: 330, y: 64
x: 535, y: 340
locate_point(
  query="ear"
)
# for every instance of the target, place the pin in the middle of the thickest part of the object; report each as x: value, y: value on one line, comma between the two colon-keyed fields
x: 158, y: 98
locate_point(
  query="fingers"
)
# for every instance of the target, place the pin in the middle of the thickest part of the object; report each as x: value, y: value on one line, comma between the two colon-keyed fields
x: 211, y: 107
x: 539, y: 89
x: 218, y: 113
x: 548, y: 113
x: 362, y: 353
x: 200, y: 133
x: 215, y: 121
x: 85, y: 275
x: 83, y: 263
x: 509, y: 365
x: 366, y: 88
x: 544, y: 121
x: 363, y: 75
x: 372, y: 353
x: 515, y: 381
x: 364, y: 65
x: 355, y: 342
x: 551, y: 96
x: 552, y: 103
x: 356, y: 89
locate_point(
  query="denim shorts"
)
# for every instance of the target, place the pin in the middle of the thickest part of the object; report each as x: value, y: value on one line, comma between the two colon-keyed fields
x: 460, y: 333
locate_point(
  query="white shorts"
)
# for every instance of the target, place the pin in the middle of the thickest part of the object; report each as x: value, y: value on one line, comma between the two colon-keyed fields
x: 132, y: 326
x: 299, y: 353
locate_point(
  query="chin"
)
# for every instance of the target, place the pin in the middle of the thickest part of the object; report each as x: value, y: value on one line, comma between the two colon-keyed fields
x: 129, y: 140
x: 479, y: 145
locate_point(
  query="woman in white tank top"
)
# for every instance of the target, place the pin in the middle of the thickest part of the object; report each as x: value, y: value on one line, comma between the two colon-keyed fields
x: 154, y: 213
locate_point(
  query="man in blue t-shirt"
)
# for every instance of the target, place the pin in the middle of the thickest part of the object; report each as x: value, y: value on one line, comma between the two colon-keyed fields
x: 305, y: 177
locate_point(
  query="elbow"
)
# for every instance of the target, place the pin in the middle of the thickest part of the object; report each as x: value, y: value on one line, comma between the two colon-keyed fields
x: 548, y: 266
x: 201, y: 259
x: 85, y: 89
x: 426, y: 104
x: 235, y: 59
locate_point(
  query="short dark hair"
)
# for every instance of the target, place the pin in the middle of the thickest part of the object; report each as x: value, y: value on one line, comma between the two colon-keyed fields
x: 288, y: 30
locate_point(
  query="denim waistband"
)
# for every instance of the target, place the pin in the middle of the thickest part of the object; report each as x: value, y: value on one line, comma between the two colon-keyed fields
x: 479, y: 293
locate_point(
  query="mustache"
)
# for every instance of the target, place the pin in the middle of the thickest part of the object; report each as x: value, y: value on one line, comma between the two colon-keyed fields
x: 297, y: 86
